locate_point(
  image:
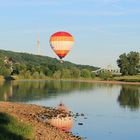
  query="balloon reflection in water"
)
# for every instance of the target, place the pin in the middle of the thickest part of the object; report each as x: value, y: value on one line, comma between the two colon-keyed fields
x: 62, y: 121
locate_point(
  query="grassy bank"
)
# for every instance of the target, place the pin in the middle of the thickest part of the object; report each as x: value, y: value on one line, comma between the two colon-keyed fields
x: 135, y: 78
x: 11, y: 129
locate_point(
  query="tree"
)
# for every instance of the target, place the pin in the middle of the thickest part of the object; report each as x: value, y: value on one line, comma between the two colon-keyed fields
x: 134, y: 62
x: 36, y: 75
x: 106, y: 75
x: 129, y: 63
x: 57, y: 74
x: 85, y: 73
x: 4, y: 71
x: 17, y: 68
x: 48, y: 72
x: 123, y: 64
x: 75, y: 73
x: 27, y: 75
x: 66, y: 73
x: 93, y: 75
x: 42, y: 75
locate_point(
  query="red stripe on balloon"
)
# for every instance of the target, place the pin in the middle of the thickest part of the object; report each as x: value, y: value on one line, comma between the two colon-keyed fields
x: 61, y: 34
x: 61, y: 55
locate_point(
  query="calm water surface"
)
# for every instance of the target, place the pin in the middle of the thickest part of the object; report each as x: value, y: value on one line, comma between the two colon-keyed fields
x: 111, y: 112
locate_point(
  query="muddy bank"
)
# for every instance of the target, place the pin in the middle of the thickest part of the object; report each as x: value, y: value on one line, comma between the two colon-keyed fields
x: 31, y: 114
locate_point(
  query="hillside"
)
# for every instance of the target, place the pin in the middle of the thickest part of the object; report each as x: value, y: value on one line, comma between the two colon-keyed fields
x: 17, y: 62
x: 26, y: 58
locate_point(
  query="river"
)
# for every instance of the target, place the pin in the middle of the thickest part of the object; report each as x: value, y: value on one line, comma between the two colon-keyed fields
x: 106, y: 111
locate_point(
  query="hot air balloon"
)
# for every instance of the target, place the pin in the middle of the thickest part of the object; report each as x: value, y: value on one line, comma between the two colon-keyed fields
x: 61, y: 43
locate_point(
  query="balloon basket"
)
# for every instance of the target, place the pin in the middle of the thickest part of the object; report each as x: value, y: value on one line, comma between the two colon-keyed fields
x: 61, y: 61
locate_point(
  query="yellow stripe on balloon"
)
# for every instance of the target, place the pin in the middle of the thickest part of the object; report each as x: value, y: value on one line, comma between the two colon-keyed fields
x: 62, y: 38
x: 63, y: 45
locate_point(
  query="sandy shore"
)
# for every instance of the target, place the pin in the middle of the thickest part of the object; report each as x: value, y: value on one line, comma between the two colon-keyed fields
x: 30, y: 115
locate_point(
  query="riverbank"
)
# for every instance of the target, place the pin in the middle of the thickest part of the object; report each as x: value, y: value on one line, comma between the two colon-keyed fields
x: 107, y: 82
x: 129, y: 80
x: 30, y: 114
x: 12, y: 129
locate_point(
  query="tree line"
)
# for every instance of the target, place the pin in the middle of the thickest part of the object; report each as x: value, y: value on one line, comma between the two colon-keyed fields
x: 28, y: 66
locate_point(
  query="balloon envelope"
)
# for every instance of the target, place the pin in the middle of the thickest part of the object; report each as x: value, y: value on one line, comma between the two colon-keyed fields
x: 61, y: 43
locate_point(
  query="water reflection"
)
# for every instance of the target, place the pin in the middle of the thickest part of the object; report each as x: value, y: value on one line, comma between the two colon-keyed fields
x: 25, y: 91
x: 64, y: 120
x: 6, y: 91
x: 100, y: 106
x: 129, y: 97
x: 35, y: 90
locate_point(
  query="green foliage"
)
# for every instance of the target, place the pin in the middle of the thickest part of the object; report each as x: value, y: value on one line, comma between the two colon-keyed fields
x: 129, y: 63
x: 134, y: 78
x: 106, y: 75
x: 11, y: 129
x: 75, y: 73
x: 36, y: 75
x: 27, y: 75
x: 65, y: 73
x: 93, y: 75
x: 29, y: 66
x: 85, y: 73
x: 42, y: 75
x: 4, y: 71
x: 57, y: 74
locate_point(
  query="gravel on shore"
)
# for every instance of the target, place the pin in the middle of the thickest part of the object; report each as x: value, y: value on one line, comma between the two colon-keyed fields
x: 31, y: 114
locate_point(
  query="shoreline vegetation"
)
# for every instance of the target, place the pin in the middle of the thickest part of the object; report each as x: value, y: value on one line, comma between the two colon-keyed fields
x: 133, y: 80
x: 21, y: 66
x: 30, y: 116
x: 12, y: 129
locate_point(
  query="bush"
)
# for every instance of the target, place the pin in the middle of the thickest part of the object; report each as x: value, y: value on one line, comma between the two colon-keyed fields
x: 57, y: 74
x: 75, y: 73
x: 85, y: 73
x: 36, y: 75
x: 106, y: 75
x: 93, y: 75
x: 42, y: 75
x: 65, y: 73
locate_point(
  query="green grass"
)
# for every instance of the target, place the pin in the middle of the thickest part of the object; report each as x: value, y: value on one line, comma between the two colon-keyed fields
x: 11, y: 129
x: 135, y: 78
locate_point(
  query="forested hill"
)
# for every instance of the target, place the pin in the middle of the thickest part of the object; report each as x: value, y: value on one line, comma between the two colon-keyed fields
x: 31, y: 63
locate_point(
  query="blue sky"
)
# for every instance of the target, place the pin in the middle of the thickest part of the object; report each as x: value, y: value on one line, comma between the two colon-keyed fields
x: 103, y: 29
